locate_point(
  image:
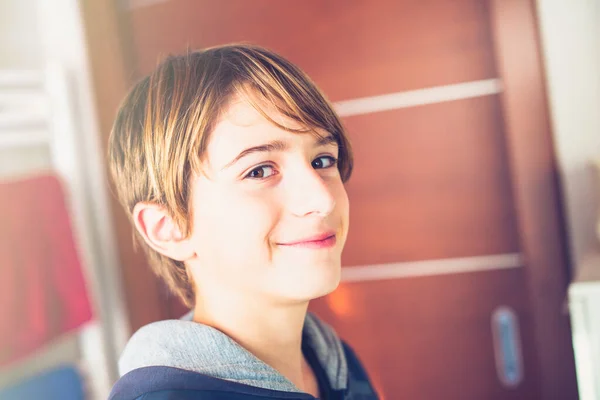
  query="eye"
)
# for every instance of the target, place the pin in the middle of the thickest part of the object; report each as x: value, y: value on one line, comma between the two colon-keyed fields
x: 324, y: 162
x: 262, y: 172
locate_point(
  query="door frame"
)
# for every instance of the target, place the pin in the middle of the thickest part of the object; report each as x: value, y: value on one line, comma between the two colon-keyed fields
x: 536, y: 190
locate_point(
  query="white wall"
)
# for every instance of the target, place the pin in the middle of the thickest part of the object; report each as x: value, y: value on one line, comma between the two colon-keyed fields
x: 21, y: 48
x: 34, y: 33
x: 570, y: 34
x: 20, y: 41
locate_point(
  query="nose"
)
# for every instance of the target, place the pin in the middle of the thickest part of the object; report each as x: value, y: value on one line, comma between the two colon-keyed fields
x: 309, y: 193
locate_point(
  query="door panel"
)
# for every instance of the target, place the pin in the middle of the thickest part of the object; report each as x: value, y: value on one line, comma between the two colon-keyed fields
x: 430, y: 337
x: 430, y: 182
x: 351, y: 49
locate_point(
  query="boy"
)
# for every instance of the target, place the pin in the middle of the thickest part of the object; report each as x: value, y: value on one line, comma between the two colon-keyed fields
x: 231, y: 165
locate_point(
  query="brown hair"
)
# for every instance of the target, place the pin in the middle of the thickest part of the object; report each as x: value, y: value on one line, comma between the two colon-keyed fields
x: 163, y: 126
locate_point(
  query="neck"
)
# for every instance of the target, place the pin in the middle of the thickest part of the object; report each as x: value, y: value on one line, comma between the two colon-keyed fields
x: 272, y: 332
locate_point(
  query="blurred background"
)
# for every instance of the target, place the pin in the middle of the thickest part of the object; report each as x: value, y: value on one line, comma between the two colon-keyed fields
x: 471, y: 269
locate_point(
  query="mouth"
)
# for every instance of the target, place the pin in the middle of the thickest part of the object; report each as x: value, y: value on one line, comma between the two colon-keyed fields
x: 320, y: 241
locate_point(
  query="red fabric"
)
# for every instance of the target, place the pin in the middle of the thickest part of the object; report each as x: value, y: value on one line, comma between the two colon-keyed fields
x: 42, y: 289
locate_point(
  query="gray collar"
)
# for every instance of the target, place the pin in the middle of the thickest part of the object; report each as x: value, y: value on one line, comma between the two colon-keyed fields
x: 195, y: 347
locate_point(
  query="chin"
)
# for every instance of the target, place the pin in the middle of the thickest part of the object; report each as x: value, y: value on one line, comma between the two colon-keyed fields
x: 316, y: 282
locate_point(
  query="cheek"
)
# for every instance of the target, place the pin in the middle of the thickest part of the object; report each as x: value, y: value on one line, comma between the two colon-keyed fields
x: 234, y: 224
x: 342, y: 211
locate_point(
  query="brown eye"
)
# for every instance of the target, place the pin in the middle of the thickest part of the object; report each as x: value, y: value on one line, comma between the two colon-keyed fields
x: 264, y: 171
x: 324, y: 162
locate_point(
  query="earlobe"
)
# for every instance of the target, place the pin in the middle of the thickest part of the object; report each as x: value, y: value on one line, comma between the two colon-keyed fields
x: 160, y: 231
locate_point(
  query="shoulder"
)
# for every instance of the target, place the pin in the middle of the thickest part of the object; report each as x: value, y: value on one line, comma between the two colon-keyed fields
x: 167, y: 383
x: 155, y: 383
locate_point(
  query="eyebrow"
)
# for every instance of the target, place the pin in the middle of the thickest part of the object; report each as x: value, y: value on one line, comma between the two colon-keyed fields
x: 278, y: 145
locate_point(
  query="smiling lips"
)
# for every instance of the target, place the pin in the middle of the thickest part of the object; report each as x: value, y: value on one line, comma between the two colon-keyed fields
x: 321, y: 241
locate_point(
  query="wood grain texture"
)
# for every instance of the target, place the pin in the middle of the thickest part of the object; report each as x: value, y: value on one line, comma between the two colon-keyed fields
x: 350, y: 48
x: 430, y: 182
x: 430, y: 337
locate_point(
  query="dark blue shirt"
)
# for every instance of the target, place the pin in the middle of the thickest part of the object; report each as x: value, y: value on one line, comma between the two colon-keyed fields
x: 168, y: 383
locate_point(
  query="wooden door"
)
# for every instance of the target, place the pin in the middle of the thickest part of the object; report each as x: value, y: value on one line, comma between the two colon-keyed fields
x: 454, y: 199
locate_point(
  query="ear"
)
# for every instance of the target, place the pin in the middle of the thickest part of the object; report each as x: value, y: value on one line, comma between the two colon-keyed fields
x: 161, y: 232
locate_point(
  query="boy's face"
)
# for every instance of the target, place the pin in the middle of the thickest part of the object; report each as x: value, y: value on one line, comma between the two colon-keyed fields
x: 269, y: 211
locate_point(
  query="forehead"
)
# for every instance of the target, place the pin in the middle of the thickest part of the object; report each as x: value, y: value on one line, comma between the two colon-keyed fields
x: 239, y: 112
x: 247, y: 110
x: 241, y: 125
